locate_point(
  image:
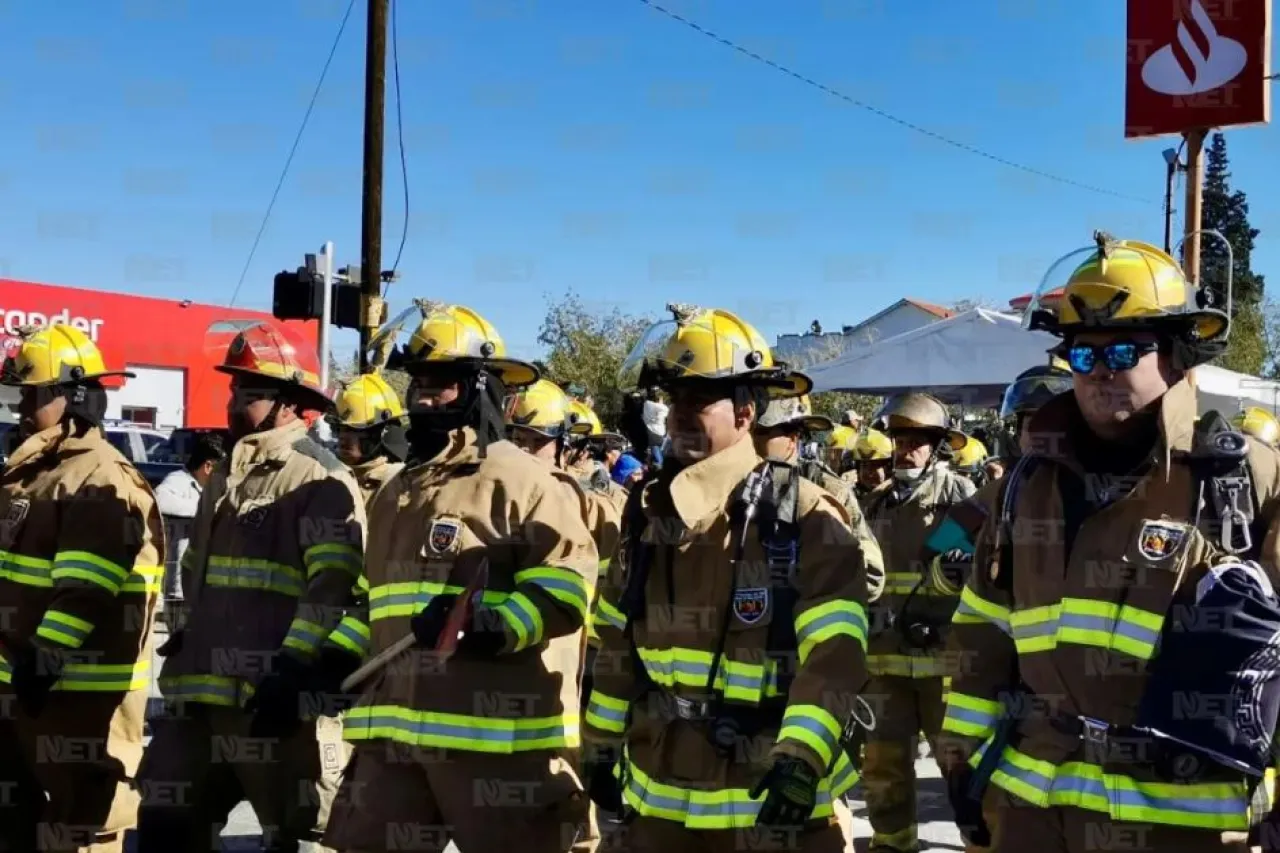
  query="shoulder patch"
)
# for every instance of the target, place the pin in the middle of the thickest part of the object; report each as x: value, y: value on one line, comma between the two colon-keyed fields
x: 308, y: 446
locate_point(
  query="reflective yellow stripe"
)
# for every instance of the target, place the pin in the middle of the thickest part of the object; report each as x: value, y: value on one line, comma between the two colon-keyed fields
x: 304, y: 636
x: 64, y: 629
x: 742, y: 682
x: 28, y: 571
x: 205, y: 689
x: 32, y: 571
x: 96, y: 677
x: 606, y: 714
x: 1083, y: 622
x: 903, y: 583
x: 973, y: 609
x: 460, y: 731
x: 352, y: 635
x: 392, y: 600
x: 90, y: 568
x: 906, y: 666
x: 564, y: 585
x: 971, y: 716
x: 608, y: 616
x: 1205, y: 805
x: 521, y: 615
x: 245, y: 573
x: 830, y: 619
x: 319, y: 558
x: 725, y: 808
x: 813, y: 726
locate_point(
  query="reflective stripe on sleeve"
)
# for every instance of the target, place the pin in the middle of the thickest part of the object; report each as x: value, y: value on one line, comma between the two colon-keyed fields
x: 64, y: 629
x: 351, y: 635
x: 460, y: 731
x: 90, y: 568
x: 813, y: 726
x: 564, y: 585
x: 606, y: 714
x: 304, y: 636
x: 970, y: 716
x: 320, y: 558
x: 830, y: 619
x: 975, y: 610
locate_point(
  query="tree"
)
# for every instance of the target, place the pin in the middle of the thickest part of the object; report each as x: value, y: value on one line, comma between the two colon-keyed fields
x: 1227, y: 211
x: 589, y: 348
x: 833, y: 404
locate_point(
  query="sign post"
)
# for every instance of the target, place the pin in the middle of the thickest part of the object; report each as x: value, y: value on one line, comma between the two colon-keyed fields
x: 1192, y: 65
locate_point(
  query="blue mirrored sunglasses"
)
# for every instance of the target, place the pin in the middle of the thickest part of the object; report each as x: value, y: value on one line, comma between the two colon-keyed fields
x: 1118, y: 355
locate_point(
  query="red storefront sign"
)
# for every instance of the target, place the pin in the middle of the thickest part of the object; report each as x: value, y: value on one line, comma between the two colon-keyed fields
x: 1196, y: 64
x: 139, y: 331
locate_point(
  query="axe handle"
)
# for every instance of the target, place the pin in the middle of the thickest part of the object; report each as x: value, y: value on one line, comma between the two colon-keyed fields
x: 377, y: 663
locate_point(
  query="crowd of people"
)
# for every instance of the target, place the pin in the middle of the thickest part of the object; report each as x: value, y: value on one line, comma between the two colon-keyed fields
x: 487, y: 620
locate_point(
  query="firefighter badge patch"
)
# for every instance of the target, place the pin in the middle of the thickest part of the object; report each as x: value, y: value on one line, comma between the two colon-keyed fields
x: 1159, y: 539
x: 443, y: 536
x: 750, y: 604
x: 253, y: 516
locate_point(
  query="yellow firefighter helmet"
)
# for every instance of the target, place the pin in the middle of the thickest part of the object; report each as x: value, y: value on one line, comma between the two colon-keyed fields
x: 437, y: 334
x: 1125, y: 284
x: 707, y: 343
x: 545, y: 408
x: 872, y: 446
x: 368, y: 401
x: 969, y: 458
x: 1258, y: 423
x: 55, y: 355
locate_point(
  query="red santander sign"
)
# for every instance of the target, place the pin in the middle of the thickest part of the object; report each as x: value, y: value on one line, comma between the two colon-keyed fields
x: 1196, y: 64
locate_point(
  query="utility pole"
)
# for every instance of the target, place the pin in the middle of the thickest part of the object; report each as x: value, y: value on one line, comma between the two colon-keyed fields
x: 1172, y: 165
x: 375, y: 78
x: 1195, y: 195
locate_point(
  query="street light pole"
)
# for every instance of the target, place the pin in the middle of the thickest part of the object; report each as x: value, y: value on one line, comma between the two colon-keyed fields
x: 1171, y: 170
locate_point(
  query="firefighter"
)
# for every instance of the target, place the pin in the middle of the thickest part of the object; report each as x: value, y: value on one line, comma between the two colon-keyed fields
x: 778, y: 434
x: 872, y: 458
x: 275, y: 557
x: 1081, y: 648
x: 1027, y: 393
x: 735, y: 651
x: 970, y: 461
x: 908, y: 623
x: 839, y: 442
x: 482, y: 747
x: 371, y: 438
x: 1259, y: 424
x: 81, y: 553
x: 593, y: 451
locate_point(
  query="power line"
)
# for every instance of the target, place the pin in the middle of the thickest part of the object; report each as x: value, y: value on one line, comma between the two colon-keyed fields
x: 297, y: 140
x: 887, y: 116
x: 404, y: 168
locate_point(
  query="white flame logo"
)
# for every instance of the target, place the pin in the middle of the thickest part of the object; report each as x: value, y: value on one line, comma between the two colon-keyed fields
x: 1199, y: 60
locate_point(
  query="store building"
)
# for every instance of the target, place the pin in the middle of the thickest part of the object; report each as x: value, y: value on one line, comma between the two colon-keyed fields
x: 171, y: 346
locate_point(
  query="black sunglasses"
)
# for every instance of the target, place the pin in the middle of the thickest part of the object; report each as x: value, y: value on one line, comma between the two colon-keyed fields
x: 1117, y: 355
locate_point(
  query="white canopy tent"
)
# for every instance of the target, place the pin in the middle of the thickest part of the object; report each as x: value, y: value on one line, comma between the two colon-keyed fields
x: 971, y: 357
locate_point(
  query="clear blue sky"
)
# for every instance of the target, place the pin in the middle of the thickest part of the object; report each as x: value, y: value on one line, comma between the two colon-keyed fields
x: 587, y: 144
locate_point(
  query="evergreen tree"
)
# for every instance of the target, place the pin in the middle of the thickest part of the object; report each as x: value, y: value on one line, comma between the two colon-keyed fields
x: 1227, y: 211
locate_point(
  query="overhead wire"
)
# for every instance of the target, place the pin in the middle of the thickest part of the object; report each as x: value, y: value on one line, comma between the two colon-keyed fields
x: 297, y: 140
x: 884, y: 114
x: 404, y: 168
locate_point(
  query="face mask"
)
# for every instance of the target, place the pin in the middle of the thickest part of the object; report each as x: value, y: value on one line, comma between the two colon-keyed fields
x: 907, y: 475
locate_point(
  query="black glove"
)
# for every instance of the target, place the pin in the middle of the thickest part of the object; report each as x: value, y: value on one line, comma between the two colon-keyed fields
x: 325, y: 688
x: 955, y: 565
x: 482, y: 637
x: 275, y: 705
x: 791, y: 792
x: 36, y: 668
x: 602, y: 786
x: 968, y: 811
x: 171, y: 646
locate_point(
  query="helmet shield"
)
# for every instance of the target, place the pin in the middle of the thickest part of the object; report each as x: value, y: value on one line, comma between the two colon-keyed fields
x: 263, y: 360
x: 431, y: 337
x: 1030, y: 391
x: 1120, y: 284
x: 707, y: 345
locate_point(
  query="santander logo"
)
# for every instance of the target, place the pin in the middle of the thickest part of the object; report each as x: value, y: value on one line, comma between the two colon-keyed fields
x: 11, y: 319
x: 1199, y: 60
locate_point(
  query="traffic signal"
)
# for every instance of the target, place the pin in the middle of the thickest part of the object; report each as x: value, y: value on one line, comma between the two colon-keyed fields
x: 298, y: 295
x: 345, y: 310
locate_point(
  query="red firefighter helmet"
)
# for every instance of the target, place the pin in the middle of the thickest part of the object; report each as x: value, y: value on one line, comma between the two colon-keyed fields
x: 260, y: 351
